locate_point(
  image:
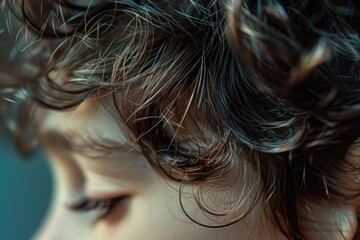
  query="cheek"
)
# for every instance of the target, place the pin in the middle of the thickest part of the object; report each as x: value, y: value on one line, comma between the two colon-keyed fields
x: 156, y: 214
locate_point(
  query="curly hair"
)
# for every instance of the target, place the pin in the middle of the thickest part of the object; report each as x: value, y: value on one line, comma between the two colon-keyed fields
x: 207, y: 85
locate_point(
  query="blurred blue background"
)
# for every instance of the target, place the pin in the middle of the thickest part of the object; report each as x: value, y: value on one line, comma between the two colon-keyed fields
x: 25, y: 187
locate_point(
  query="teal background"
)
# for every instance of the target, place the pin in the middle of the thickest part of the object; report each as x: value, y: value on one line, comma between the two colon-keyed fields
x: 25, y: 185
x: 25, y: 191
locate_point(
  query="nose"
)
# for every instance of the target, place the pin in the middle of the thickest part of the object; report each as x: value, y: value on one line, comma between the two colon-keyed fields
x: 62, y: 224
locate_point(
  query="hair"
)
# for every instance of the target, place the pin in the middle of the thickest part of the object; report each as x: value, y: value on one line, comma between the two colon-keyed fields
x: 206, y: 85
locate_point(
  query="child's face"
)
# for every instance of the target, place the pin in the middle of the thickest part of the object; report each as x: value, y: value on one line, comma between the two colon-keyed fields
x: 149, y: 208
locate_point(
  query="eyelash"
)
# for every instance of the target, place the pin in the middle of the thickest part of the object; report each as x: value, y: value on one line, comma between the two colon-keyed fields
x: 104, y: 206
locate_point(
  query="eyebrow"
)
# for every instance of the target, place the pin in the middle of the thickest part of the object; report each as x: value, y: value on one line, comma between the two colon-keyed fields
x: 83, y: 144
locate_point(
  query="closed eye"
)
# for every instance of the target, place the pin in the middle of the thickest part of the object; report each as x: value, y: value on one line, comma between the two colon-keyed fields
x: 104, y: 207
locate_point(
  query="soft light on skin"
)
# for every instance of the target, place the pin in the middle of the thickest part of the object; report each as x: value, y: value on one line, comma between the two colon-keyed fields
x: 151, y: 209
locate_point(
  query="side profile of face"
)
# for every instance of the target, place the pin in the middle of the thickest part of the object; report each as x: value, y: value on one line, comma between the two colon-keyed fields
x: 190, y: 119
x: 116, y: 194
x: 132, y: 200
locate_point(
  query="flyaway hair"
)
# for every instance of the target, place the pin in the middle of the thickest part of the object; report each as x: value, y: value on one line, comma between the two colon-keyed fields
x: 207, y: 85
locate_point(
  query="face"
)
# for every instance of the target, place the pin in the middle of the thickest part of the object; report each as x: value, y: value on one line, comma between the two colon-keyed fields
x: 113, y: 193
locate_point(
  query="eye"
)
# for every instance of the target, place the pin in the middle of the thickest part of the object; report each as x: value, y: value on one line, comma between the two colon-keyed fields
x: 103, y: 207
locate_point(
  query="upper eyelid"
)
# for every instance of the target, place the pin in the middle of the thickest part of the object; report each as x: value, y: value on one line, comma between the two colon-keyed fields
x: 83, y: 204
x: 78, y: 206
x: 88, y: 204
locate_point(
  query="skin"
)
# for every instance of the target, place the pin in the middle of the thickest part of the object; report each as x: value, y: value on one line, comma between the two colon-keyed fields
x: 151, y: 207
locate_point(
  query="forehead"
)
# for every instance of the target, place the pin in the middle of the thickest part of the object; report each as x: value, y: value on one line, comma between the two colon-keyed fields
x: 94, y: 118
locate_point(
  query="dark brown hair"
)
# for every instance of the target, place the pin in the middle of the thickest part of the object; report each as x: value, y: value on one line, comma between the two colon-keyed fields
x: 201, y: 84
